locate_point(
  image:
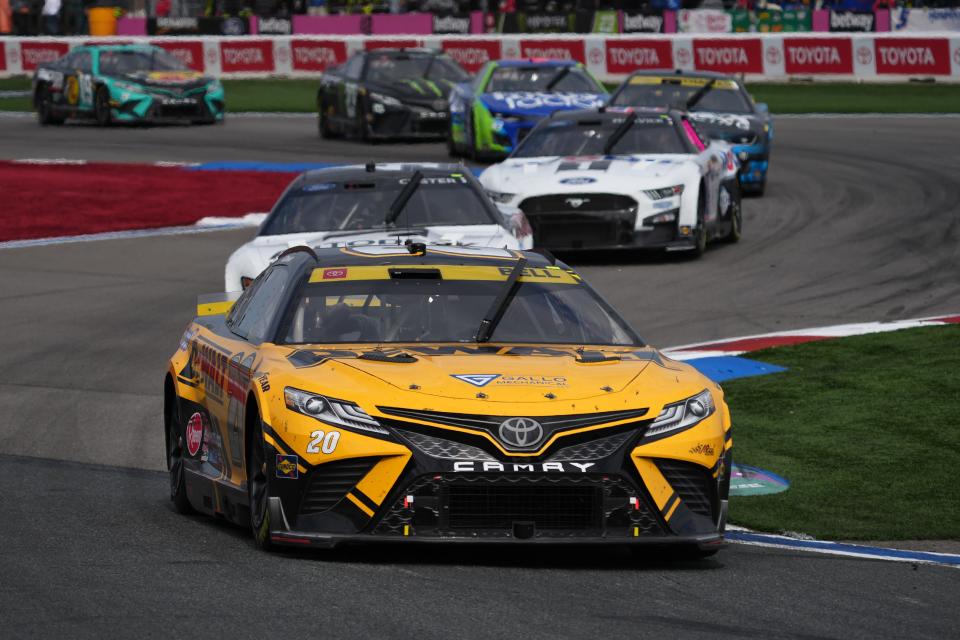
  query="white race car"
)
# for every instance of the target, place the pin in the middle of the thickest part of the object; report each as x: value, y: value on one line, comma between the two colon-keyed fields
x: 621, y: 178
x: 379, y: 204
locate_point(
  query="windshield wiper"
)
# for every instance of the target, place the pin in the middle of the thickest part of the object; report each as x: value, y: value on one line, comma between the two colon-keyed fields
x: 396, y: 208
x: 619, y: 132
x: 702, y: 91
x: 499, y: 305
x: 557, y: 78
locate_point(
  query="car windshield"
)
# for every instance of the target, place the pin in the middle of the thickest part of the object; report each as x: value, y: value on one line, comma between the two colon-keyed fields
x: 446, y: 303
x: 642, y: 91
x: 132, y: 61
x: 392, y: 68
x: 586, y: 138
x: 542, y: 78
x: 364, y: 204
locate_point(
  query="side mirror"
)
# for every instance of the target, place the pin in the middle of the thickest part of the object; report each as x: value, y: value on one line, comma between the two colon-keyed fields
x: 762, y: 107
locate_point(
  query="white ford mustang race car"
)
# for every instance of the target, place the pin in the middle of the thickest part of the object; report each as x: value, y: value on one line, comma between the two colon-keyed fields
x: 621, y: 178
x: 379, y: 204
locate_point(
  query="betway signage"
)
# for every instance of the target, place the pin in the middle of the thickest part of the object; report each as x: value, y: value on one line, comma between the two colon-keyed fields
x: 609, y: 57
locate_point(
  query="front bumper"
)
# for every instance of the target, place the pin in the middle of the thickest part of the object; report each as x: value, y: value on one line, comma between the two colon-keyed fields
x: 406, y: 122
x: 451, y: 500
x: 611, y: 224
x: 754, y: 161
x: 150, y: 107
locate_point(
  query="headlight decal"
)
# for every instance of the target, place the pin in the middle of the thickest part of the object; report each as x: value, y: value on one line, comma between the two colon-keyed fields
x: 331, y: 411
x: 665, y: 192
x: 682, y: 415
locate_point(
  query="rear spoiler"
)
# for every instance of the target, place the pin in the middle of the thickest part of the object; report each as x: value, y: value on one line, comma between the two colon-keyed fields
x: 216, y: 304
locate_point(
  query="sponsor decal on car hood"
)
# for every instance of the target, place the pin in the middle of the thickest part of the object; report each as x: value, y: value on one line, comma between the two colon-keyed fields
x: 498, y: 375
x: 726, y: 126
x: 535, y: 103
x: 588, y: 174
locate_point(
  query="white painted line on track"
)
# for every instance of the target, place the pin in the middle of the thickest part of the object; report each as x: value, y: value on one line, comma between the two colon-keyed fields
x: 741, y: 536
x: 120, y: 235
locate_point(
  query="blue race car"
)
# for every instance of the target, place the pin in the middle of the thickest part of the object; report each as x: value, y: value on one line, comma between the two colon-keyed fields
x: 507, y: 98
x: 719, y: 107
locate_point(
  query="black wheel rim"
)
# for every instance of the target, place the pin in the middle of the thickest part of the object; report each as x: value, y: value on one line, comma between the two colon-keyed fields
x: 175, y: 452
x: 258, y: 482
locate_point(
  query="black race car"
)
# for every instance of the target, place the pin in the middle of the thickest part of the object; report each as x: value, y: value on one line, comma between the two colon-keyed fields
x: 388, y: 93
x: 719, y: 106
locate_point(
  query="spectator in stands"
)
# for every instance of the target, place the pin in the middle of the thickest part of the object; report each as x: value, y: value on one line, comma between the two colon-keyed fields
x: 26, y: 15
x: 51, y: 17
x: 74, y: 17
x: 6, y: 24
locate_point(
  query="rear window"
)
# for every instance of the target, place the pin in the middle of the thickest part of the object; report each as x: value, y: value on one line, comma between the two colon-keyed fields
x: 576, y: 138
x: 544, y: 79
x: 725, y: 96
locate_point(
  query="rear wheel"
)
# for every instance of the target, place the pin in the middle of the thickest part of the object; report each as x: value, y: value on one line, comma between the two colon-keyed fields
x: 700, y: 231
x: 44, y: 102
x: 101, y: 106
x: 735, y: 215
x: 258, y: 486
x: 175, y: 455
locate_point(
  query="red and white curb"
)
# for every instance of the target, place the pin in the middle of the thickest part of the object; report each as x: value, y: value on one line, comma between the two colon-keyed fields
x: 746, y: 344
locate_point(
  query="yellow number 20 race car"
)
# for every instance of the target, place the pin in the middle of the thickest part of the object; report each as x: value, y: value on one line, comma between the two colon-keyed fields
x: 440, y: 394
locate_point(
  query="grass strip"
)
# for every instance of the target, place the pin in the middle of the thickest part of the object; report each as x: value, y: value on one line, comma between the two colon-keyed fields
x: 299, y: 96
x: 865, y: 428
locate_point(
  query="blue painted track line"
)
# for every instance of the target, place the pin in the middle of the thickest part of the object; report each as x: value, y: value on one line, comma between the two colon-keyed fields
x: 844, y: 549
x: 722, y: 368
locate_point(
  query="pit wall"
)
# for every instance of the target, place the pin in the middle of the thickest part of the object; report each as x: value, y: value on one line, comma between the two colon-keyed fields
x: 869, y: 57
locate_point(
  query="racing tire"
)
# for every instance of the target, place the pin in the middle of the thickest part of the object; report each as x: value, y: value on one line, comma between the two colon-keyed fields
x: 736, y: 215
x: 45, y: 108
x: 258, y: 486
x: 175, y: 468
x: 101, y: 106
x: 323, y: 124
x: 700, y: 232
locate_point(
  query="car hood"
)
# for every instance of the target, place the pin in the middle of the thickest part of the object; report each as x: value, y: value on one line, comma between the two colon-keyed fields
x: 418, y: 91
x: 539, y: 104
x: 551, y: 376
x: 593, y: 174
x: 730, y: 127
x: 167, y: 79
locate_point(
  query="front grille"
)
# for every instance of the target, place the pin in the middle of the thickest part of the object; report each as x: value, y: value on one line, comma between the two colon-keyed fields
x: 484, y: 505
x: 578, y: 203
x: 442, y: 448
x: 591, y: 450
x: 491, y: 424
x: 329, y: 482
x: 490, y: 505
x: 692, y: 483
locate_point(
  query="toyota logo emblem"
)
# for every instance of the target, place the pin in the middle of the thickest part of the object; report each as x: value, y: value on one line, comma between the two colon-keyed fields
x: 521, y: 433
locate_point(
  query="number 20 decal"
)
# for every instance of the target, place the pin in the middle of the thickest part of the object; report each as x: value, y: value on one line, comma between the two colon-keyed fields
x: 323, y: 442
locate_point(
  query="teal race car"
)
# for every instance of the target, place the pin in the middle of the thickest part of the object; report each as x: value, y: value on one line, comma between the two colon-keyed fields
x: 490, y: 115
x: 124, y: 83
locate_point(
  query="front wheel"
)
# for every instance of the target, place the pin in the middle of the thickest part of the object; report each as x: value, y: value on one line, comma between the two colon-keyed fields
x: 101, y: 107
x: 44, y: 104
x: 258, y: 488
x: 175, y: 469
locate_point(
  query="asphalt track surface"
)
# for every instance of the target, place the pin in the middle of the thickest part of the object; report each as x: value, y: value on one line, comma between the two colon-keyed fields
x: 860, y: 223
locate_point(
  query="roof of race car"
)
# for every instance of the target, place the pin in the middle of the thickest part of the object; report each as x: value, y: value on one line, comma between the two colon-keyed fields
x: 614, y: 113
x: 683, y: 73
x: 433, y: 255
x: 383, y: 170
x: 536, y: 62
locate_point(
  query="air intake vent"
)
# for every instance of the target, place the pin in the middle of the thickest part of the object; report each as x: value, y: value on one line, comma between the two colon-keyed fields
x: 329, y: 482
x: 692, y: 483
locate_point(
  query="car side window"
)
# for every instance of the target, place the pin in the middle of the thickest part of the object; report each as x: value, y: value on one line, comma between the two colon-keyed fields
x: 84, y: 61
x: 260, y: 308
x: 353, y: 67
